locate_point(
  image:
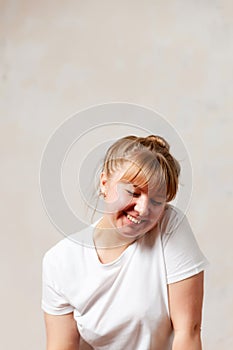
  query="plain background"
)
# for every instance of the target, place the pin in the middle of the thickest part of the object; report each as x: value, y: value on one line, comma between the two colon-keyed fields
x: 60, y: 57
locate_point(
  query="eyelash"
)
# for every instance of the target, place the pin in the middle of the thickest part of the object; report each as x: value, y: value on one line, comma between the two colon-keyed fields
x: 155, y: 203
x: 134, y: 194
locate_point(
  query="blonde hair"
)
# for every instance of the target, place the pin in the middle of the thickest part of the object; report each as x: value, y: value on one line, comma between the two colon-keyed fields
x: 150, y: 163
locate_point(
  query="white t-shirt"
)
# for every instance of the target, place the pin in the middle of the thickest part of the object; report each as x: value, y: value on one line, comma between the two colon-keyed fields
x: 122, y: 304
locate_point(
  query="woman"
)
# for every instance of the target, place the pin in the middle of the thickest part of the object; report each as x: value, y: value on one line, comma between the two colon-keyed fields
x: 141, y: 287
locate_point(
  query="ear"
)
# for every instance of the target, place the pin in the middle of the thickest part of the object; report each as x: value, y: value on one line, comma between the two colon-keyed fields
x: 103, y: 182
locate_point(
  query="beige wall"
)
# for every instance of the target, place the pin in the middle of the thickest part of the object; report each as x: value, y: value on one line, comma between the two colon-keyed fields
x: 59, y: 57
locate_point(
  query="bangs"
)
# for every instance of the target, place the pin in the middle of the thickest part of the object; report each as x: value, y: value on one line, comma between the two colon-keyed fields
x: 146, y: 174
x: 144, y: 162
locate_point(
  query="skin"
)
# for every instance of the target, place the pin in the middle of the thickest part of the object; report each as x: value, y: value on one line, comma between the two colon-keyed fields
x: 122, y: 198
x: 61, y: 331
x: 185, y: 302
x: 112, y: 236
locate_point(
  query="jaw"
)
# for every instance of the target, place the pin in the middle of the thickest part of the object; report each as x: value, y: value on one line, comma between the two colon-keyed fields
x: 128, y: 228
x: 119, y: 223
x: 115, y: 231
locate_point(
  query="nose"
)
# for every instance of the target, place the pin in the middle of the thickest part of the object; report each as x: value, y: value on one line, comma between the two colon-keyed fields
x: 141, y: 205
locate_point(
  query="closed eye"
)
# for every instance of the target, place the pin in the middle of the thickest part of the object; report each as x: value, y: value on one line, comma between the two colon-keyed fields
x: 154, y: 202
x: 133, y: 194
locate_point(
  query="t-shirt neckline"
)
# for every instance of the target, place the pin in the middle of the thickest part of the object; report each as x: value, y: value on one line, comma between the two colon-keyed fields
x: 120, y: 258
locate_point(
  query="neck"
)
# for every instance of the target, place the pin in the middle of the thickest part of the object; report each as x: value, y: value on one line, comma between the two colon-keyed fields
x: 107, y: 237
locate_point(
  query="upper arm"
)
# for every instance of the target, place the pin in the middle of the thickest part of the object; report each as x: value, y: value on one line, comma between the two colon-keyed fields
x: 62, y: 332
x: 185, y: 303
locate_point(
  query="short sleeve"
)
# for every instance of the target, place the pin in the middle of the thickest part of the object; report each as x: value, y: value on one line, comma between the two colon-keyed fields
x: 182, y: 255
x: 53, y: 301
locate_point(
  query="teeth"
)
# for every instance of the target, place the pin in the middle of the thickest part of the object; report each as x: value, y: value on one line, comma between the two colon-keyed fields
x: 131, y: 218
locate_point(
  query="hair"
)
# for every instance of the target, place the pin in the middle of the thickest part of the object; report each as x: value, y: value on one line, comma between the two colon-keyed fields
x: 150, y: 163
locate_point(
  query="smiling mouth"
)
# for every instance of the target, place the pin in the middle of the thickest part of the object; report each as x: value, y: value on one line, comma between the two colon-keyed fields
x: 133, y: 219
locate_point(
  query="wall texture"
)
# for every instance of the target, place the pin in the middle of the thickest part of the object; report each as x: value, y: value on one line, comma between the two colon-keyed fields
x: 60, y: 57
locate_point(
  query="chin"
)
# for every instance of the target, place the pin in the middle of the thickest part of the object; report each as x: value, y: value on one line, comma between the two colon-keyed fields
x: 131, y: 232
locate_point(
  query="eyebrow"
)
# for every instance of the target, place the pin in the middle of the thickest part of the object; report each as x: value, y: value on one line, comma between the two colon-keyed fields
x: 156, y: 195
x: 127, y: 182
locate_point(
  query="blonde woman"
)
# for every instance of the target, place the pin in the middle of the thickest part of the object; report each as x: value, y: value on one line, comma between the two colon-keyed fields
x: 134, y: 279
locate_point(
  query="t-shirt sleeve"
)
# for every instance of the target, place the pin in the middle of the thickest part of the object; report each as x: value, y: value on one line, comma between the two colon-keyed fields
x: 53, y: 301
x: 182, y: 255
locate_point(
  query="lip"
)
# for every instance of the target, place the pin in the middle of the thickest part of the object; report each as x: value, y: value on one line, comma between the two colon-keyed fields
x: 135, y: 217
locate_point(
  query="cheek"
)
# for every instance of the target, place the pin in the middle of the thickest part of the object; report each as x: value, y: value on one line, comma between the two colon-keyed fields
x: 117, y: 200
x: 158, y: 211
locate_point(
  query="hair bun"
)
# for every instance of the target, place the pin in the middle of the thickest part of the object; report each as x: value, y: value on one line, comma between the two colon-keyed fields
x: 160, y: 141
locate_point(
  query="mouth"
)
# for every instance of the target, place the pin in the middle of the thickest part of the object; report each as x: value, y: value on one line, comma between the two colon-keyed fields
x: 133, y: 219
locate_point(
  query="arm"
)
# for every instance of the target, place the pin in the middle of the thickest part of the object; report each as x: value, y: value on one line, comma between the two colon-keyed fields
x: 62, y: 332
x: 185, y: 303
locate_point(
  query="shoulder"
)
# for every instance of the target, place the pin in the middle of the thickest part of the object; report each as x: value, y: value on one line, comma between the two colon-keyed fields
x: 171, y: 219
x: 175, y: 229
x: 182, y: 254
x: 67, y: 251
